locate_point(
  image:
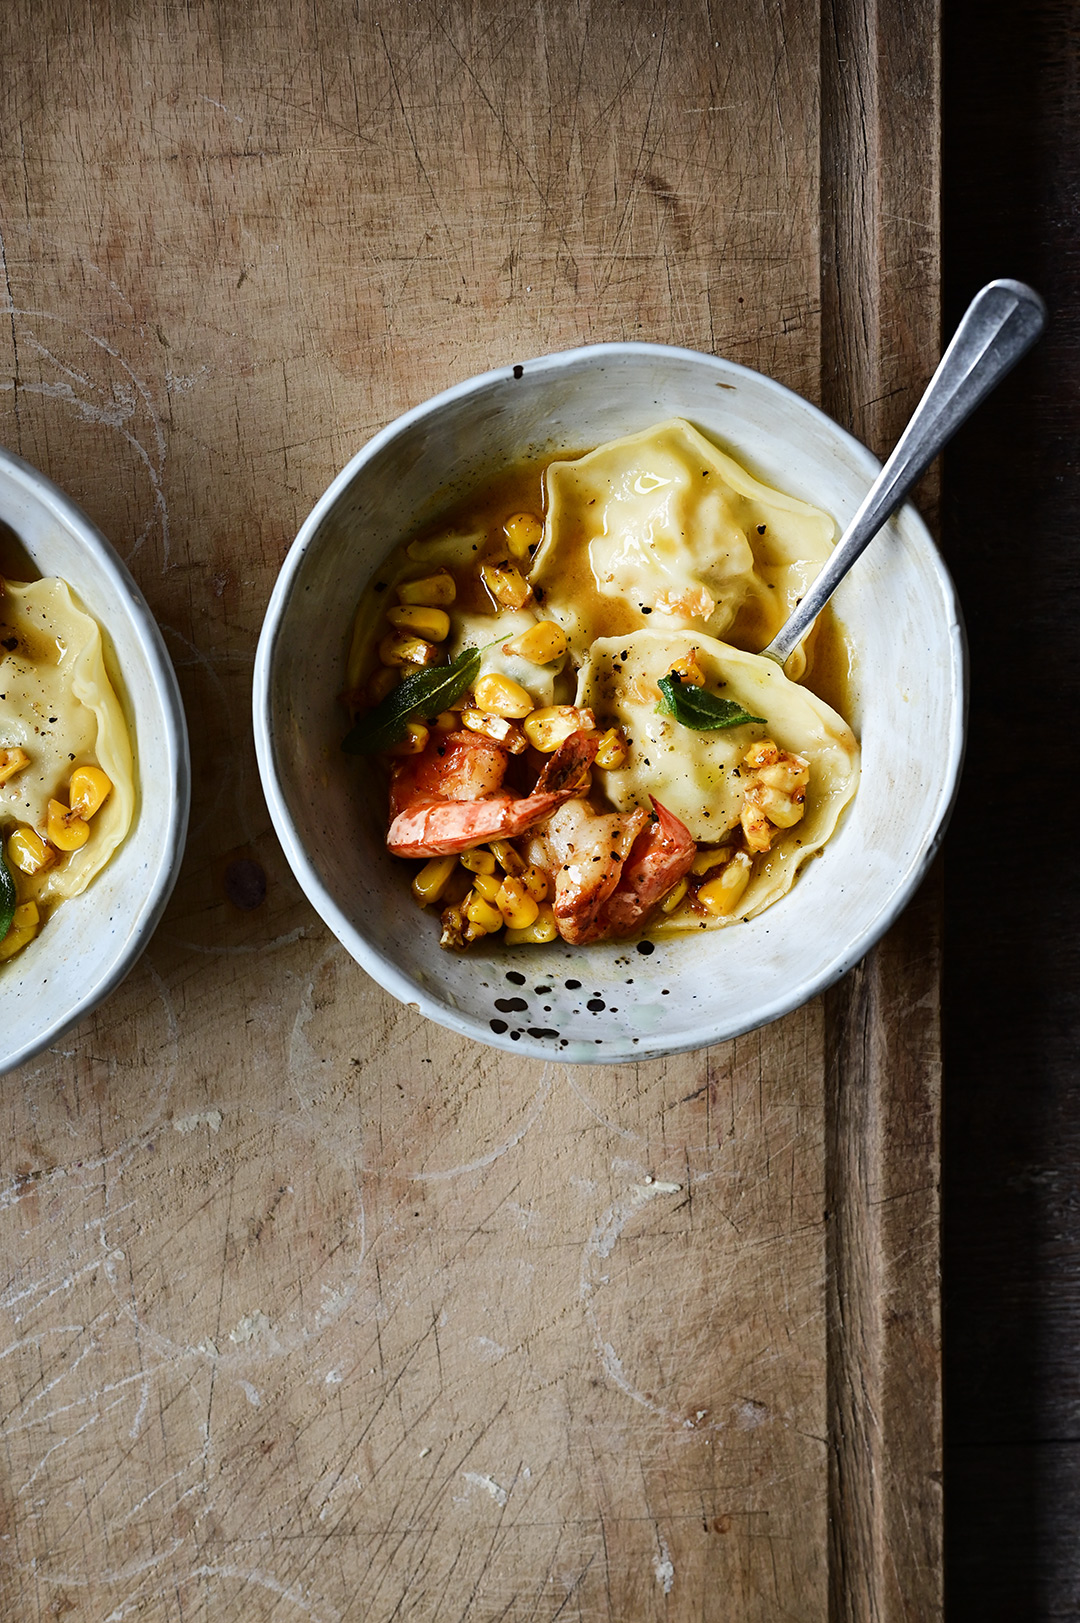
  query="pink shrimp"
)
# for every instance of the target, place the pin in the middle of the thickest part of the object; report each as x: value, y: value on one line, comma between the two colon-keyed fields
x: 450, y: 796
x: 661, y: 855
x: 610, y: 868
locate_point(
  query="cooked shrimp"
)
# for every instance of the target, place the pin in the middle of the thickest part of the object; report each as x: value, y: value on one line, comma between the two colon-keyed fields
x: 611, y: 869
x: 450, y: 797
x: 586, y: 851
x: 661, y: 854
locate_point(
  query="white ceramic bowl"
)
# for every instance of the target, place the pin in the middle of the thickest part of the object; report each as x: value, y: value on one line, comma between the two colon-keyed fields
x: 898, y: 607
x: 92, y: 941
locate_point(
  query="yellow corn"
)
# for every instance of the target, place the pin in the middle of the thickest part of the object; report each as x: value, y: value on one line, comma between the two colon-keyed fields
x: 787, y: 775
x: 382, y: 682
x: 11, y: 761
x: 429, y: 884
x: 689, y: 668
x: 720, y: 896
x: 542, y: 929
x: 502, y: 696
x: 23, y: 928
x: 399, y: 648
x: 88, y: 790
x: 710, y: 859
x: 431, y: 624
x: 504, y: 732
x: 517, y: 907
x: 506, y: 584
x: 414, y: 742
x: 536, y: 882
x: 784, y: 811
x: 436, y: 591
x: 673, y: 897
x: 508, y: 858
x: 483, y: 914
x: 611, y: 751
x: 478, y: 860
x: 523, y: 533
x: 546, y: 729
x: 488, y: 886
x: 763, y: 753
x: 540, y: 644
x: 66, y: 829
x: 28, y: 852
x: 446, y: 721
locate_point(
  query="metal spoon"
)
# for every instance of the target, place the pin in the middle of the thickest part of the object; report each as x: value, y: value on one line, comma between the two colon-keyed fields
x: 1000, y: 325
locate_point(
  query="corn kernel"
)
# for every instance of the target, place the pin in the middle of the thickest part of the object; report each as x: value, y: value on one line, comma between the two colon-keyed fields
x: 551, y: 726
x: 720, y: 896
x: 88, y: 790
x: 483, y: 914
x: 478, y: 860
x: 11, y: 761
x: 674, y: 897
x: 446, y: 721
x: 429, y: 884
x: 540, y: 644
x: 382, y: 682
x: 399, y: 648
x: 787, y: 775
x: 414, y: 742
x: 523, y: 534
x: 784, y: 811
x: 436, y: 591
x: 431, y: 624
x: 541, y: 930
x: 488, y: 886
x: 509, y: 859
x: 497, y: 727
x: 506, y: 585
x: 28, y: 852
x: 763, y: 753
x: 453, y: 928
x: 517, y: 907
x: 66, y: 829
x: 536, y: 882
x: 611, y: 752
x: 689, y: 668
x: 23, y: 928
x: 706, y: 859
x: 502, y: 696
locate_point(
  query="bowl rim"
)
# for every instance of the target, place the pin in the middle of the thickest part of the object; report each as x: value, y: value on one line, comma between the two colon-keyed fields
x: 382, y: 968
x: 173, y: 721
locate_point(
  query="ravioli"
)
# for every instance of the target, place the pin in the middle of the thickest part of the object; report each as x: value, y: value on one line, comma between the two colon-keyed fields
x: 490, y: 634
x: 58, y: 704
x: 662, y: 529
x: 699, y: 776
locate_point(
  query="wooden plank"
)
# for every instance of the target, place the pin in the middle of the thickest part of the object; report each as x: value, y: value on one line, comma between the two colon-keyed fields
x: 880, y: 328
x: 313, y: 1310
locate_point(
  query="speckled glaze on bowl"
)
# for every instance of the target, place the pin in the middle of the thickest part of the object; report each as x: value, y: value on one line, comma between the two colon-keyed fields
x: 92, y: 941
x: 610, y: 1002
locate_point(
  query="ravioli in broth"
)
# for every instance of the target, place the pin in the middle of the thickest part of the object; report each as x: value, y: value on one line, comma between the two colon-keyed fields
x: 587, y: 742
x: 67, y: 789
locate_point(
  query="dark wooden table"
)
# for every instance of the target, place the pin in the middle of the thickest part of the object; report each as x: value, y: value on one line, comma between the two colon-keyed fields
x: 1012, y: 1091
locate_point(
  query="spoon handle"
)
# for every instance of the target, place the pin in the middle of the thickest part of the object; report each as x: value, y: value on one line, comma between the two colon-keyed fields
x: 1000, y: 325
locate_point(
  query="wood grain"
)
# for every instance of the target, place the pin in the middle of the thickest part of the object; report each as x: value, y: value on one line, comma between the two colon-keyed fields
x: 314, y: 1310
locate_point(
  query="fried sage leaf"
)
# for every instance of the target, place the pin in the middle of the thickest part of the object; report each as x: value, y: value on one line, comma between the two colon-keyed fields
x: 8, y: 898
x: 693, y: 707
x: 423, y: 695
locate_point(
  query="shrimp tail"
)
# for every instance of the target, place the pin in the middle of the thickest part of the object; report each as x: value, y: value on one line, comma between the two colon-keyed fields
x: 658, y: 859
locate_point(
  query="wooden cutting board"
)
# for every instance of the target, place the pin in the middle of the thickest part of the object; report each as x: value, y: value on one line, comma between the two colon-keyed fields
x: 312, y: 1310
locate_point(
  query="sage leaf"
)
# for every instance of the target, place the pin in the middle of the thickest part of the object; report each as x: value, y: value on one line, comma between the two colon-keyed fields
x: 8, y: 897
x: 693, y: 707
x: 424, y: 695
